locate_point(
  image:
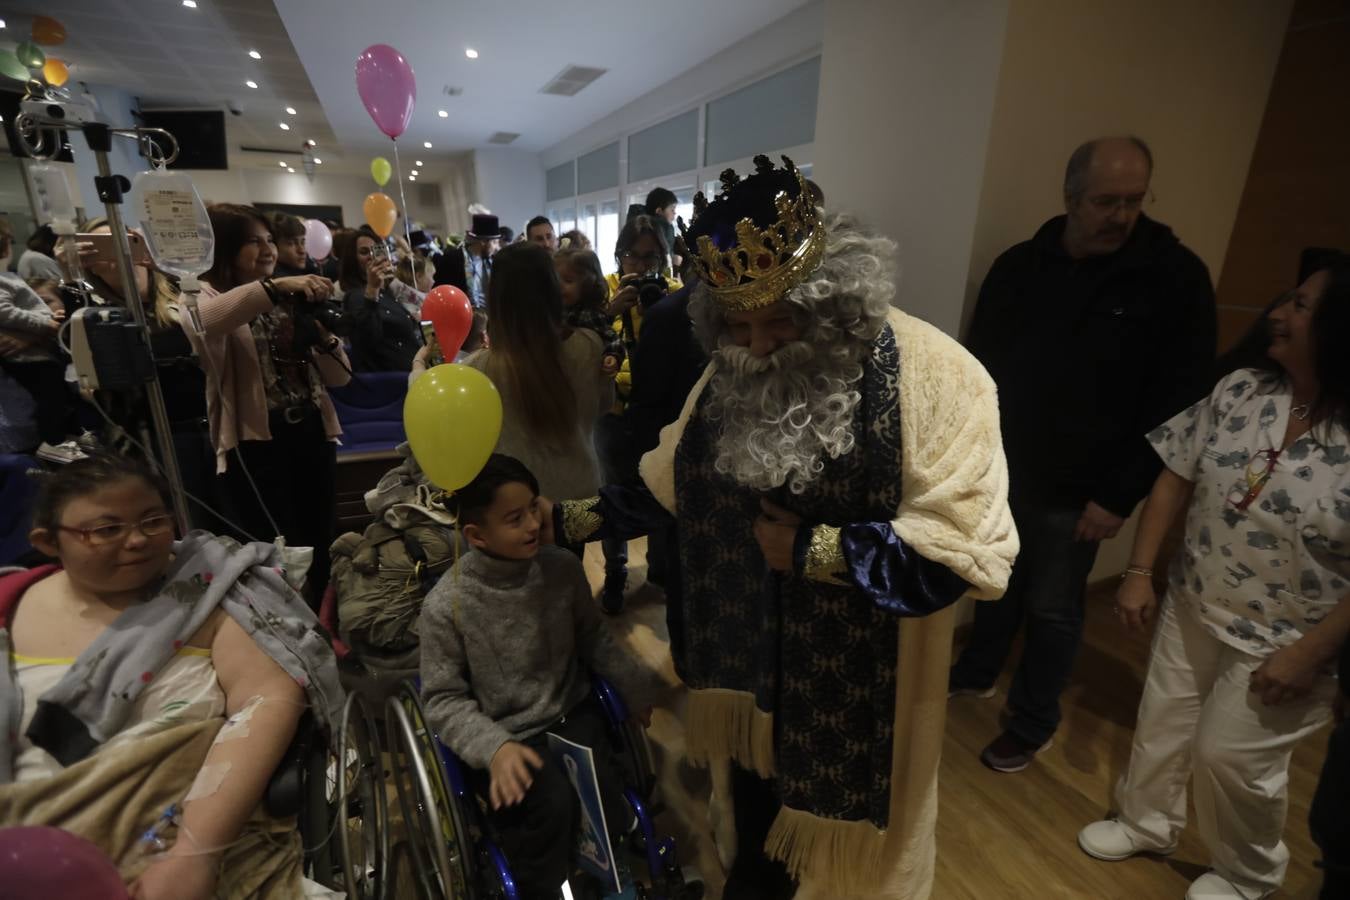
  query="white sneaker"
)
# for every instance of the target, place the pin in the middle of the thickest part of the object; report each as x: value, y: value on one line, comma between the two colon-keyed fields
x: 61, y: 454
x: 1108, y: 840
x: 1213, y: 886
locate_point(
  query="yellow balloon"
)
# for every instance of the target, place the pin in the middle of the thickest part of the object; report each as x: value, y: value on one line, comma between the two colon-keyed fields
x: 453, y: 417
x: 380, y: 170
x: 55, y: 72
x: 381, y: 214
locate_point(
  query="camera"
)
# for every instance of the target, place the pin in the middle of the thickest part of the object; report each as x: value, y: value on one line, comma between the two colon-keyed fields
x: 308, y: 317
x: 651, y: 287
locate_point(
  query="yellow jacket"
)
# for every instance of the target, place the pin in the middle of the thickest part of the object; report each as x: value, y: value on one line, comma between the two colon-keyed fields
x: 623, y: 382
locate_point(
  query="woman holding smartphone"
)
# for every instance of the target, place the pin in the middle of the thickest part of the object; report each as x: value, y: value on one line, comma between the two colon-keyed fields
x: 386, y: 335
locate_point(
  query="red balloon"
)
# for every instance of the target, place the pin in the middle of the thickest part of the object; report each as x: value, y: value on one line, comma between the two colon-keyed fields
x: 449, y: 310
x: 38, y: 862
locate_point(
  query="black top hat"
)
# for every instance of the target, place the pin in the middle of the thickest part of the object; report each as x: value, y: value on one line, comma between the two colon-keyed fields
x: 485, y: 228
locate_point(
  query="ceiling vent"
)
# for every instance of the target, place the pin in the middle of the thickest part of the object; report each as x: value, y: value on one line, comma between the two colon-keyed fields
x: 451, y: 91
x: 273, y: 151
x: 571, y: 80
x: 503, y: 137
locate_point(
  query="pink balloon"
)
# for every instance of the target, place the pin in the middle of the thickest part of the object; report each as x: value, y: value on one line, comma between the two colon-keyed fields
x: 318, y: 239
x: 39, y: 863
x: 385, y: 81
x: 450, y: 312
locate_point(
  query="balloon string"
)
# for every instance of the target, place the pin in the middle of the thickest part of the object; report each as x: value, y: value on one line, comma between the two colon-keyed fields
x: 407, y: 220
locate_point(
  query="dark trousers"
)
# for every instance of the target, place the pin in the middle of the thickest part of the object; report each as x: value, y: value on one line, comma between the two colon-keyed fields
x: 1329, y: 818
x: 295, y: 475
x: 53, y: 405
x: 538, y: 835
x: 1046, y: 595
x: 618, y: 464
x: 753, y: 875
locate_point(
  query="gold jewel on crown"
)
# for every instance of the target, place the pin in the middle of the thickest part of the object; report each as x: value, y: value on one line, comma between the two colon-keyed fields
x: 763, y: 265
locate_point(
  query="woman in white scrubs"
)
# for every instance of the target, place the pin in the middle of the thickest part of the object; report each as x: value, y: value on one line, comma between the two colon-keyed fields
x: 1255, y: 611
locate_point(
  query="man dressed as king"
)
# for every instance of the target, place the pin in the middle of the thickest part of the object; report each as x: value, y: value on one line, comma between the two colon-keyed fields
x: 837, y: 482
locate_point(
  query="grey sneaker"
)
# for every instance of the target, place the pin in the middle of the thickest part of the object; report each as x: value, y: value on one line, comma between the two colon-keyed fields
x: 60, y: 454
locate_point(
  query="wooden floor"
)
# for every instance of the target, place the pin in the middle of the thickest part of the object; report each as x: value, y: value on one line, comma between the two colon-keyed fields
x: 1014, y: 836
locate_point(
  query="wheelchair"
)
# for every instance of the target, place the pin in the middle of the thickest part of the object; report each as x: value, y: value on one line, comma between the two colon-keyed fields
x: 335, y: 789
x: 453, y: 854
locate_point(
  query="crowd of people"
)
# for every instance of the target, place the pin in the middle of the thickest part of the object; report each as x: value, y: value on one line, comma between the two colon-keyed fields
x: 819, y: 477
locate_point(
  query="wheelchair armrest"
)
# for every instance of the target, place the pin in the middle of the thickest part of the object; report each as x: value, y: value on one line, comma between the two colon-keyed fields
x: 285, y: 792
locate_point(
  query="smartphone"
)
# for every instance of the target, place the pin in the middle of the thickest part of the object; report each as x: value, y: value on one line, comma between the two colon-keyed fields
x: 434, y: 357
x: 103, y: 247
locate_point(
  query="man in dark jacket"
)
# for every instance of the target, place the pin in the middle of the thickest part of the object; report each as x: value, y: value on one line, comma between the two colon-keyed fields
x: 1095, y: 330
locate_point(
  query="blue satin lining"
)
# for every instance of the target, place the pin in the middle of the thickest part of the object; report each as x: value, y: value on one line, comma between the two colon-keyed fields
x: 890, y: 572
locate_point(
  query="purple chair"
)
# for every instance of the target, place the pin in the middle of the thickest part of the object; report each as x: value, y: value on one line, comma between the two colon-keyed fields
x: 370, y: 408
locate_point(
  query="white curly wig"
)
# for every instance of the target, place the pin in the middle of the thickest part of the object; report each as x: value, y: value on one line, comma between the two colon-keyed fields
x: 779, y: 417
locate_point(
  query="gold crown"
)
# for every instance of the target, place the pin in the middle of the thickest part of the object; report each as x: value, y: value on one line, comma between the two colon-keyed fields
x: 763, y: 264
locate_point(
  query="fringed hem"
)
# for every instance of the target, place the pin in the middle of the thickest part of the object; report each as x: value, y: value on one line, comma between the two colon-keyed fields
x: 849, y: 856
x: 722, y: 724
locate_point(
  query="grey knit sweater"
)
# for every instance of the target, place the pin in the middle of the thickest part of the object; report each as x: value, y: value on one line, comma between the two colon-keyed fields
x: 508, y: 647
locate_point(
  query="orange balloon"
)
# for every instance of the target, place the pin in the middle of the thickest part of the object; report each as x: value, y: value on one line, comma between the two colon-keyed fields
x: 55, y: 71
x: 47, y: 30
x: 381, y: 214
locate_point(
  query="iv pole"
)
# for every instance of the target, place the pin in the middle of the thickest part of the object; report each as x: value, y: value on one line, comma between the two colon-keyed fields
x: 110, y: 189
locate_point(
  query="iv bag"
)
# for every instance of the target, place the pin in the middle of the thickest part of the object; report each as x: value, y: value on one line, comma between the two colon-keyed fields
x: 175, y: 225
x: 51, y: 196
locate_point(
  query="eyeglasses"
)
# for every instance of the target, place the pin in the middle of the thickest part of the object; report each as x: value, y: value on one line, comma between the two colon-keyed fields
x: 651, y: 259
x: 116, y: 532
x: 1256, y: 478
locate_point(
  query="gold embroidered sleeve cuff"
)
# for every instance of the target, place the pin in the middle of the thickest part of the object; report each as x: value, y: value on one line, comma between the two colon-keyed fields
x: 824, y: 559
x: 580, y: 520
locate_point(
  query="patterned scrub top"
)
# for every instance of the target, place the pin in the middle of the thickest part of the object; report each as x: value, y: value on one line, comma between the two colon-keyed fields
x: 1258, y: 577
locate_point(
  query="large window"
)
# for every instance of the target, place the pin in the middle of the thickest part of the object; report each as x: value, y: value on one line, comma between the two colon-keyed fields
x: 685, y: 153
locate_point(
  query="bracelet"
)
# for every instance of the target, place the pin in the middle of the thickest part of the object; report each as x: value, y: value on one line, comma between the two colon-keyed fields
x: 271, y: 290
x: 1137, y: 570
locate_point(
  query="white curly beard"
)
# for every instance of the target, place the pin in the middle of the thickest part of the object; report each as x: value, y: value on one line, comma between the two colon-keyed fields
x: 779, y: 417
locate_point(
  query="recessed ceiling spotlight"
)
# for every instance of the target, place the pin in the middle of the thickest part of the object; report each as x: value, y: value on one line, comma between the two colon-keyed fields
x: 255, y: 54
x: 285, y: 127
x: 470, y: 53
x: 317, y: 161
x: 415, y: 172
x: 426, y: 144
x: 290, y: 110
x: 442, y: 113
x: 252, y: 84
x: 2, y: 23
x: 190, y: 4
x: 412, y: 177
x: 418, y: 164
x: 284, y: 164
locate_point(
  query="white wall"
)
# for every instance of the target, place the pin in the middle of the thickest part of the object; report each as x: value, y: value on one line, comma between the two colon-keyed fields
x: 240, y: 185
x: 790, y: 39
x: 116, y: 108
x: 906, y: 101
x: 510, y: 183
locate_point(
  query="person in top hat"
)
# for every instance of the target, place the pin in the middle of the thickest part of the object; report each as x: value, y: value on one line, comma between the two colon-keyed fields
x: 469, y: 267
x: 837, y: 482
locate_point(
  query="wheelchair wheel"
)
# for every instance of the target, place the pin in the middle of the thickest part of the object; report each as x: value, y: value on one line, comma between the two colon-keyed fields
x: 360, y: 804
x: 439, y: 842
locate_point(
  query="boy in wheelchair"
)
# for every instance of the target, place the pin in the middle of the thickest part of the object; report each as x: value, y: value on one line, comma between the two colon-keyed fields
x: 508, y: 637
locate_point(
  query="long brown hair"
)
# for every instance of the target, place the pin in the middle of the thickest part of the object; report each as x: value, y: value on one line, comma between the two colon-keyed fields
x: 524, y: 307
x: 586, y: 265
x: 231, y: 223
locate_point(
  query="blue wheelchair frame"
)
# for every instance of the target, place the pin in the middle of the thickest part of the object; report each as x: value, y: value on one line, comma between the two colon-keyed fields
x: 485, y: 866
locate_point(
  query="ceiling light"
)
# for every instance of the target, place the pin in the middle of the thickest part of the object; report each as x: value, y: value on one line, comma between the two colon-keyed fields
x: 317, y: 161
x: 426, y: 144
x: 255, y: 54
x: 285, y: 127
x: 284, y: 164
x: 415, y: 172
x: 252, y: 84
x: 290, y: 110
x: 470, y: 53
x: 412, y: 177
x: 418, y: 164
x: 442, y: 113
x: 190, y: 4
x: 2, y: 23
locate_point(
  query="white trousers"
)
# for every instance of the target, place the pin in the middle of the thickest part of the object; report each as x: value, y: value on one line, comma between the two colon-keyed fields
x: 1198, y: 720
